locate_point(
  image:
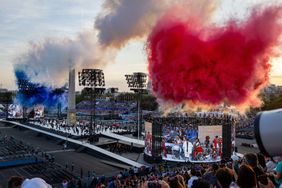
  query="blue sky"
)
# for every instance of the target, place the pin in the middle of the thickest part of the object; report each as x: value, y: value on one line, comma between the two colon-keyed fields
x: 22, y: 21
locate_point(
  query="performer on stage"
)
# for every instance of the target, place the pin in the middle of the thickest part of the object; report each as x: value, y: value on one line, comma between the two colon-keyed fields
x: 207, y: 142
x: 187, y: 147
x: 207, y: 145
x: 175, y: 150
x: 215, y: 141
x: 179, y: 142
x: 220, y: 146
x: 198, y: 149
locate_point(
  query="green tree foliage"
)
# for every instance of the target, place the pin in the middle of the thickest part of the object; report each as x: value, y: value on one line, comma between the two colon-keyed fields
x: 148, y: 101
x: 6, y: 97
x: 84, y: 95
x: 274, y: 102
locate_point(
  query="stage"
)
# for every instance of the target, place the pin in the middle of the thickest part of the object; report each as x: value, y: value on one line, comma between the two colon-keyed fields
x: 189, y: 139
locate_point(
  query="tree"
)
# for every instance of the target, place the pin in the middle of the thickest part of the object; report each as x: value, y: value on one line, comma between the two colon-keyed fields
x: 149, y: 102
x: 6, y: 98
x: 274, y: 103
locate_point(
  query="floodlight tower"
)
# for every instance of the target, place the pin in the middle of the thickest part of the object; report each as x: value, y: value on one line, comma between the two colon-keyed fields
x: 137, y: 82
x: 113, y: 91
x: 94, y: 81
x: 26, y: 88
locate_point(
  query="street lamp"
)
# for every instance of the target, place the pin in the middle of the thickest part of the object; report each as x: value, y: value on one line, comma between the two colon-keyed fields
x: 93, y: 80
x: 137, y: 82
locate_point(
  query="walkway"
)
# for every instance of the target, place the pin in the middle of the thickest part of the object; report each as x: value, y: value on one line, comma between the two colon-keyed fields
x: 123, y: 138
x: 87, y: 145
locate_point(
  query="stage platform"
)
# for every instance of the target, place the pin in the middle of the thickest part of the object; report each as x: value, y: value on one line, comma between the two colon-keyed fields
x: 81, y: 143
x: 123, y: 138
x: 171, y: 158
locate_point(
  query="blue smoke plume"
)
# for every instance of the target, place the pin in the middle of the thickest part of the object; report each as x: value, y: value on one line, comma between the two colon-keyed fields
x: 31, y: 94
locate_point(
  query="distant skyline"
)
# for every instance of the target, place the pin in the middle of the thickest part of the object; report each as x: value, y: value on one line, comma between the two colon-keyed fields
x: 31, y: 20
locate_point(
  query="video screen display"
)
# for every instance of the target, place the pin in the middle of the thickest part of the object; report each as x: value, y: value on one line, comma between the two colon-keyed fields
x: 15, y: 111
x: 192, y: 143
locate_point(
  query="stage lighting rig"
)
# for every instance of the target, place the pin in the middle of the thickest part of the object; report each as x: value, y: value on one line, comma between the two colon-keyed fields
x: 137, y: 82
x: 94, y: 81
x: 93, y: 78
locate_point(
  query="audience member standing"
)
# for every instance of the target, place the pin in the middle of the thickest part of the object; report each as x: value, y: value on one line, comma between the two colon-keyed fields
x: 246, y: 177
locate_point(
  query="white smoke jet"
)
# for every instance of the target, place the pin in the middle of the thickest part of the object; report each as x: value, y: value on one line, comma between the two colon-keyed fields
x: 122, y: 20
x: 49, y: 61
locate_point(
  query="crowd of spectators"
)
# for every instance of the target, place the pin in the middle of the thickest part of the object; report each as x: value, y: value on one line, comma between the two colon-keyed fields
x: 251, y: 171
x: 82, y: 127
x: 245, y: 125
x: 106, y: 106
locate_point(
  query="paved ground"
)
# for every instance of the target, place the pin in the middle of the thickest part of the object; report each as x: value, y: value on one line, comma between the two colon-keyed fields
x: 243, y: 149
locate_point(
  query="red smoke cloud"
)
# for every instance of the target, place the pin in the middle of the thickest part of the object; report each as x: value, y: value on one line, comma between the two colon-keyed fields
x: 191, y: 62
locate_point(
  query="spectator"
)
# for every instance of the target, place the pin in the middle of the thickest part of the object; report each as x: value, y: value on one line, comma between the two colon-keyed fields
x: 228, y: 166
x: 277, y: 177
x: 210, y: 175
x: 261, y: 161
x: 224, y: 177
x: 262, y: 179
x: 246, y: 177
x: 65, y: 184
x: 200, y: 183
x: 193, y: 177
x: 272, y: 163
x: 173, y: 182
x: 181, y: 182
x: 15, y: 182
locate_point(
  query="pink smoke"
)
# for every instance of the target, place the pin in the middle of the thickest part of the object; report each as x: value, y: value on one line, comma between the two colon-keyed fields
x: 192, y: 62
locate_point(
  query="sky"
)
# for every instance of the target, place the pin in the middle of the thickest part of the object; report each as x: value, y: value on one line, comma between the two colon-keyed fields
x: 22, y: 22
